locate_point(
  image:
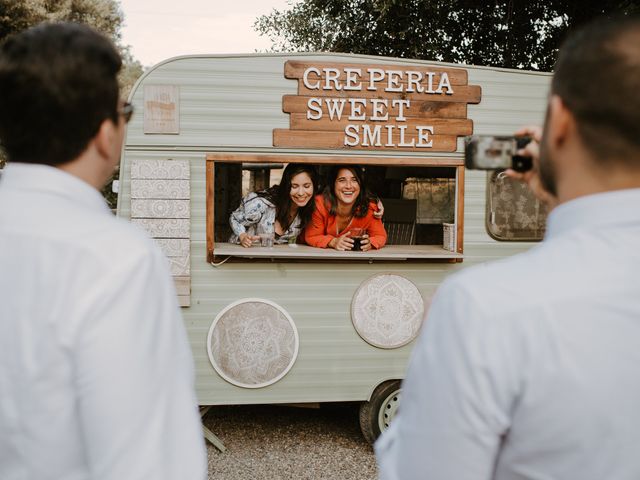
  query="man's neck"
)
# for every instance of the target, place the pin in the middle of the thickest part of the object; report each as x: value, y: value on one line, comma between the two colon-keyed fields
x: 88, y: 168
x: 593, y: 180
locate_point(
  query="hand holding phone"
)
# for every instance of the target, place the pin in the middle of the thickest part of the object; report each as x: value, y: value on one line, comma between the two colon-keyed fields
x: 532, y: 177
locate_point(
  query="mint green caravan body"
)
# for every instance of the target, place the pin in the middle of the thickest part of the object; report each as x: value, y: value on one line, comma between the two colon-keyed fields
x: 309, y: 329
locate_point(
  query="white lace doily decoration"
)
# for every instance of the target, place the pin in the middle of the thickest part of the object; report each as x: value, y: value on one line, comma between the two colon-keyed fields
x: 387, y: 311
x: 253, y: 343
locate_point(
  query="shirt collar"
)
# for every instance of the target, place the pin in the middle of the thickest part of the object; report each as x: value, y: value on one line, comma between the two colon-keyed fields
x: 47, y: 179
x: 618, y: 206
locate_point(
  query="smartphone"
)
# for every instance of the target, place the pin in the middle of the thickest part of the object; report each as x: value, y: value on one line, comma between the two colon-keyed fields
x: 488, y: 152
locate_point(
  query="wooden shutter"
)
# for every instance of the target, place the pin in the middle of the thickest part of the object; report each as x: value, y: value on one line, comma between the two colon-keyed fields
x: 160, y: 203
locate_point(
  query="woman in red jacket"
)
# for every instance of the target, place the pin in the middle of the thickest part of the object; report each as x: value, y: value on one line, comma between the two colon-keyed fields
x: 344, y: 207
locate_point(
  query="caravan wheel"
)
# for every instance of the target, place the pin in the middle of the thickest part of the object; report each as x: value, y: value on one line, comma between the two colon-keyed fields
x: 377, y: 413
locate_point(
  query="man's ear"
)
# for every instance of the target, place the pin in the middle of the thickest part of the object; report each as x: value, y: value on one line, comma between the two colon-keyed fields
x: 561, y: 124
x: 107, y: 134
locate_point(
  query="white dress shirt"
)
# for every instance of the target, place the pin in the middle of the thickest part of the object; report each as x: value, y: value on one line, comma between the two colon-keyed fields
x: 96, y: 375
x: 529, y: 368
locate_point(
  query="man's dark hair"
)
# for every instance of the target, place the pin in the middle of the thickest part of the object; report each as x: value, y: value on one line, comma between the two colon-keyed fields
x: 597, y: 76
x: 58, y: 83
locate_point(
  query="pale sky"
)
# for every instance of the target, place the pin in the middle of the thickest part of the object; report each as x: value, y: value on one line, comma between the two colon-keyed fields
x: 160, y: 29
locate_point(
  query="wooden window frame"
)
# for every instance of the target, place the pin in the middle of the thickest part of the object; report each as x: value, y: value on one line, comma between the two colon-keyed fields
x: 232, y: 157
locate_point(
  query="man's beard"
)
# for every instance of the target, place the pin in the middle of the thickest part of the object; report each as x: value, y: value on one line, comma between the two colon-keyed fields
x: 546, y: 165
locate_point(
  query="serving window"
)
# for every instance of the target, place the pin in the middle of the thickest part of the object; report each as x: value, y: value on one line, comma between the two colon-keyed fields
x: 422, y: 199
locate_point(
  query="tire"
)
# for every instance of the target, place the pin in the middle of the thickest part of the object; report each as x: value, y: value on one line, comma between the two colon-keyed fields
x: 377, y: 413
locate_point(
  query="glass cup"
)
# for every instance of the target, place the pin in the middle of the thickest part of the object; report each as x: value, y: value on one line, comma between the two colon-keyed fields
x: 266, y: 239
x: 357, y: 234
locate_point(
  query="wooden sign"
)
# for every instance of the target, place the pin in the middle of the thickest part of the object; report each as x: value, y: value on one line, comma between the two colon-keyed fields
x: 161, y: 109
x: 380, y: 107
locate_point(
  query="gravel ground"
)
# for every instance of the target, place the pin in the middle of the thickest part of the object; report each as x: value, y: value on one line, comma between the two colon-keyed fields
x: 280, y: 442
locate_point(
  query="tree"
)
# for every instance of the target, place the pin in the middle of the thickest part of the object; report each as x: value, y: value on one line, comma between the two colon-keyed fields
x: 502, y: 33
x: 103, y: 15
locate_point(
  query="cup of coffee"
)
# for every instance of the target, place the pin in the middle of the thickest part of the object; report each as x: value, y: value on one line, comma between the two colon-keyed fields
x: 357, y: 234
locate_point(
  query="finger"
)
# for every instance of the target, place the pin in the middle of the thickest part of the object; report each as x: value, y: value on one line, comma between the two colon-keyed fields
x: 531, y: 149
x: 533, y: 131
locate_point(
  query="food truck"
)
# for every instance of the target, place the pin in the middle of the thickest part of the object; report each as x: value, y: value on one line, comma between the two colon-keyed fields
x: 293, y: 324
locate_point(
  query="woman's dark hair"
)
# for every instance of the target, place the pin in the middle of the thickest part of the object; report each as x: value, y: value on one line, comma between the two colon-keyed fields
x: 361, y: 205
x: 280, y: 195
x: 58, y: 83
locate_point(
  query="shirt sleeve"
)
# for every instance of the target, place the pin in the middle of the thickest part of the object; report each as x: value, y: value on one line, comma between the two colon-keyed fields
x: 456, y: 398
x: 135, y: 378
x: 315, y: 232
x: 249, y: 212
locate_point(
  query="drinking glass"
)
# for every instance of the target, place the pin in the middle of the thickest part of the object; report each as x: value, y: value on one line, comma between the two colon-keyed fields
x: 266, y: 239
x: 357, y: 234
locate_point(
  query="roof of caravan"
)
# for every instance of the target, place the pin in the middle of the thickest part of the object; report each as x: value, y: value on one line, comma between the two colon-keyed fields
x: 234, y: 102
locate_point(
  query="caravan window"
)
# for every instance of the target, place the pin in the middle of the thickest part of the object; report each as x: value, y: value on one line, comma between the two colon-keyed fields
x: 422, y: 206
x: 513, y: 212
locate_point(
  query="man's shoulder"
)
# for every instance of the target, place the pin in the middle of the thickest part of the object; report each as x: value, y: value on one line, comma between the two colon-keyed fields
x: 515, y: 281
x: 108, y: 240
x: 119, y: 236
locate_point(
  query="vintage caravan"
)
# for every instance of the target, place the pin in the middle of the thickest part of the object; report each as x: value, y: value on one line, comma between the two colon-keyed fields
x: 292, y: 323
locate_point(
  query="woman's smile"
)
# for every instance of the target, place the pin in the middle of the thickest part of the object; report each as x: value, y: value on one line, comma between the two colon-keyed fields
x: 346, y: 187
x: 301, y: 189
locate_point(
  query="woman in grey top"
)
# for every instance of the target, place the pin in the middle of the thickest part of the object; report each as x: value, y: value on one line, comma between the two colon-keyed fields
x: 283, y: 209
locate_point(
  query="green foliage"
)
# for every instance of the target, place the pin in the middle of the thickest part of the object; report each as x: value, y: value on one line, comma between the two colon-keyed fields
x: 103, y: 15
x: 501, y: 33
x: 131, y: 70
x: 18, y: 15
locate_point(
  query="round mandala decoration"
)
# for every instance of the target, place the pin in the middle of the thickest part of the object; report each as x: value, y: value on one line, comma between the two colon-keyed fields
x: 387, y: 311
x: 252, y: 343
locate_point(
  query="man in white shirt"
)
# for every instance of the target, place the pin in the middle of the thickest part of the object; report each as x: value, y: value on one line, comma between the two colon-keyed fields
x: 96, y: 374
x: 528, y: 368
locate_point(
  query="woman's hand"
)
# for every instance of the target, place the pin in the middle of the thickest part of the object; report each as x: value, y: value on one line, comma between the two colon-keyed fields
x: 342, y: 243
x: 247, y: 240
x: 365, y: 243
x: 380, y: 211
